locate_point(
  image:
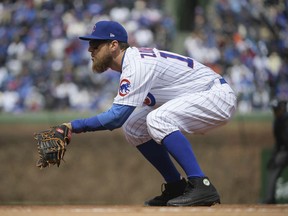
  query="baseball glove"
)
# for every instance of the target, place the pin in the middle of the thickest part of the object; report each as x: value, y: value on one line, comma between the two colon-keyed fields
x: 51, y: 145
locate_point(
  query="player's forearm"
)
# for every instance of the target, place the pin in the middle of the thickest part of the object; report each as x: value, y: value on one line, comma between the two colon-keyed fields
x: 86, y: 125
x: 110, y: 120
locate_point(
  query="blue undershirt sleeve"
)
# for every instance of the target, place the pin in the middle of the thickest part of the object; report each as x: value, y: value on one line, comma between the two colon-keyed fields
x: 114, y: 118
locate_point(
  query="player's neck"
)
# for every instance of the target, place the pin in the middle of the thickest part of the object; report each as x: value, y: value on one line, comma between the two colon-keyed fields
x: 117, y: 61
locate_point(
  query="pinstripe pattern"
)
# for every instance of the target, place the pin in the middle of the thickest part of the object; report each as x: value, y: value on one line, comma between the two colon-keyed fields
x: 165, y: 78
x: 187, y: 99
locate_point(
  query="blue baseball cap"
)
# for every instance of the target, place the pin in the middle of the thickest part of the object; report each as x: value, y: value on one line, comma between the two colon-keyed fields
x: 107, y: 30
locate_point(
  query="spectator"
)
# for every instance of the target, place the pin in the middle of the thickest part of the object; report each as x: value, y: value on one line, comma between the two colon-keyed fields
x: 252, y: 39
x: 41, y: 45
x: 254, y: 32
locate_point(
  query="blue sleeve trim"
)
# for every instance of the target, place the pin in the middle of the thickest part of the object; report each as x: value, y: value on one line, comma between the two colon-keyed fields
x: 86, y: 125
x: 114, y: 118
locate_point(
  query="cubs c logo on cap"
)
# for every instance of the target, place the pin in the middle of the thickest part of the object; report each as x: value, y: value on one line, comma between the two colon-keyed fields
x: 94, y: 28
x: 107, y: 30
x: 124, y: 87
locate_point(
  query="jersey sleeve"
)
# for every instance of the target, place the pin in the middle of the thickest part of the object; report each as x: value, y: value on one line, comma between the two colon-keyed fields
x: 114, y: 118
x: 135, y: 81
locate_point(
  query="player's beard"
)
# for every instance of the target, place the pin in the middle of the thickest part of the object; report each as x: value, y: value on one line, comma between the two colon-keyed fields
x: 100, y: 65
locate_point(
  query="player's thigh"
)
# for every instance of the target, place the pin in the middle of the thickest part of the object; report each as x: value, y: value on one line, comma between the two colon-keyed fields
x: 195, y: 113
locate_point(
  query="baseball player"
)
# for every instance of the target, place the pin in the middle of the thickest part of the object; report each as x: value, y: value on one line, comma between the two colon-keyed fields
x: 161, y: 96
x: 279, y: 158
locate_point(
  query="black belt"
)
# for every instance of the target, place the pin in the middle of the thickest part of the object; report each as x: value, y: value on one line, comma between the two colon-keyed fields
x: 222, y: 81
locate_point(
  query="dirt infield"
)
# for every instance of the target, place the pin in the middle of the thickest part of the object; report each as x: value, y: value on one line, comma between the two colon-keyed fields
x: 218, y: 210
x: 100, y: 168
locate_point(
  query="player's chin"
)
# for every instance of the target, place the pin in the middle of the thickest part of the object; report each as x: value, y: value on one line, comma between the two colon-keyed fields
x: 101, y: 65
x: 99, y: 70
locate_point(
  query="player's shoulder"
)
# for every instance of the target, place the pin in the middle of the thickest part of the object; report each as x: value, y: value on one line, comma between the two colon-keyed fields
x: 141, y: 51
x: 132, y: 50
x: 141, y: 55
x: 131, y: 53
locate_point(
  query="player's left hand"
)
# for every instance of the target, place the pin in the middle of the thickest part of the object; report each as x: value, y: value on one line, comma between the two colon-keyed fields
x: 51, y: 144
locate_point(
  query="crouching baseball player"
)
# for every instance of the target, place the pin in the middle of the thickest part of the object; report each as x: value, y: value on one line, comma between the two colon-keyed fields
x: 173, y: 94
x: 279, y: 158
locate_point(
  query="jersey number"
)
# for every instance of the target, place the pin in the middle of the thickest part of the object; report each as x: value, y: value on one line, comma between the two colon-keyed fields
x: 148, y: 52
x: 181, y: 58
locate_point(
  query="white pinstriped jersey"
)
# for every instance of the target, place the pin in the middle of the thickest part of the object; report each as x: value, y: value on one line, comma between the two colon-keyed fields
x: 161, y: 75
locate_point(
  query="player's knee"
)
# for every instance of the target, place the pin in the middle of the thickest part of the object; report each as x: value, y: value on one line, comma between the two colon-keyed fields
x: 160, y: 124
x: 151, y: 120
x: 127, y: 129
x: 155, y: 125
x: 135, y: 135
x: 129, y: 134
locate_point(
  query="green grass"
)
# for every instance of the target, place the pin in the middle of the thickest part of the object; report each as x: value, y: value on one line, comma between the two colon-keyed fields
x: 66, y: 116
x: 255, y: 116
x: 42, y: 117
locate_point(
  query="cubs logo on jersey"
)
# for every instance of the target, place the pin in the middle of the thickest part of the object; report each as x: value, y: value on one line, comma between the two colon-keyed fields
x: 125, y: 86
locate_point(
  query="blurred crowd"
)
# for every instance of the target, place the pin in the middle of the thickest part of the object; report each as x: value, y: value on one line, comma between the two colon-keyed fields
x: 247, y: 42
x: 44, y: 66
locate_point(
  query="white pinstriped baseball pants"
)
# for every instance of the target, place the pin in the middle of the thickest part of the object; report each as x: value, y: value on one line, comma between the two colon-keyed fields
x: 191, y: 113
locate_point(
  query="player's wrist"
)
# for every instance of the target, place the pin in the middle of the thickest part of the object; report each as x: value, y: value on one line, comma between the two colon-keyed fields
x: 69, y: 125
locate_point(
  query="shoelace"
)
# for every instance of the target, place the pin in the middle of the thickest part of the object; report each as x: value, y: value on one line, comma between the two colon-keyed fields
x: 188, y: 187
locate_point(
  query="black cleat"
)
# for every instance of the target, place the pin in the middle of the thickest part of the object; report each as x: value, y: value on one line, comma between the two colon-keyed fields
x: 171, y: 191
x: 199, y: 192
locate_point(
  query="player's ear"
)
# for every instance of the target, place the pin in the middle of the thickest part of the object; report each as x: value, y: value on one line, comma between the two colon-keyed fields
x: 114, y: 45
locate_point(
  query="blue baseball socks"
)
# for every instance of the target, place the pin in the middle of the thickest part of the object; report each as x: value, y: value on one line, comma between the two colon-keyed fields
x: 180, y: 149
x: 158, y: 156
